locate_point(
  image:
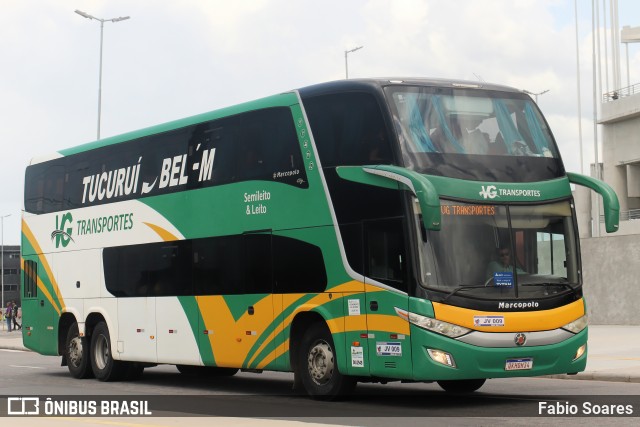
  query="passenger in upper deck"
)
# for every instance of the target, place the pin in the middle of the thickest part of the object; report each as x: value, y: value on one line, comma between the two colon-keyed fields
x: 472, y: 139
x: 461, y: 135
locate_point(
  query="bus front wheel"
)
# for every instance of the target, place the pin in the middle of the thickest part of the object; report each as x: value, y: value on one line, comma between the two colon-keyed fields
x: 461, y: 386
x: 102, y: 363
x: 317, y: 366
x: 76, y: 352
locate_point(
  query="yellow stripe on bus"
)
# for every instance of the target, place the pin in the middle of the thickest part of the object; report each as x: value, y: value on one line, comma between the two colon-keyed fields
x: 280, y: 350
x: 530, y: 321
x: 232, y: 340
x: 288, y: 300
x: 387, y: 323
x: 45, y: 264
x: 164, y: 234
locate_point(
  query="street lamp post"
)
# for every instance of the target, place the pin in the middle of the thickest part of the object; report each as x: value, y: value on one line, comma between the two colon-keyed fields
x: 346, y: 63
x: 102, y: 21
x: 2, y: 255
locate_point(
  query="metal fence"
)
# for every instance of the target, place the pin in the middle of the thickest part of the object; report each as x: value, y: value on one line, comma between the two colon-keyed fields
x: 626, y: 215
x: 620, y: 93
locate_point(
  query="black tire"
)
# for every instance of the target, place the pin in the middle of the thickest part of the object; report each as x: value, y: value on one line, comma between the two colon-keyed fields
x: 317, y: 366
x: 206, y: 371
x: 102, y: 363
x: 461, y: 386
x: 76, y: 353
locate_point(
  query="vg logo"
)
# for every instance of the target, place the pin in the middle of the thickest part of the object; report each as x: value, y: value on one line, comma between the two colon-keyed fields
x: 489, y: 192
x: 62, y: 235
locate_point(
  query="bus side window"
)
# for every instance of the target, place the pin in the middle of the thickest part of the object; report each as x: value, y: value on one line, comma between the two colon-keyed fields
x: 218, y: 267
x: 267, y: 148
x: 30, y: 279
x: 298, y: 267
x: 258, y: 263
x: 349, y: 129
x: 250, y: 159
x: 34, y: 189
x: 385, y: 253
x: 54, y: 187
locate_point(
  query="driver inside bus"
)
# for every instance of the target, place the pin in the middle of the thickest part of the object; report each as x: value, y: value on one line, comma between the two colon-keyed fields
x: 504, y: 263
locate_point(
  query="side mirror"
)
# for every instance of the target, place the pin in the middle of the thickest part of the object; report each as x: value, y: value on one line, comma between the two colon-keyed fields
x: 609, y: 198
x: 397, y: 178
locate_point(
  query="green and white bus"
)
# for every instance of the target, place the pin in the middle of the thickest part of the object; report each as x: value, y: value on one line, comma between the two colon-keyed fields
x: 352, y: 231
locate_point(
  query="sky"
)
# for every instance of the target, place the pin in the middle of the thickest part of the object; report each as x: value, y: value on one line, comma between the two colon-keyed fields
x: 174, y: 59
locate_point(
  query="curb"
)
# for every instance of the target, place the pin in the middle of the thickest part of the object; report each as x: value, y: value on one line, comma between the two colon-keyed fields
x: 14, y: 347
x: 596, y: 376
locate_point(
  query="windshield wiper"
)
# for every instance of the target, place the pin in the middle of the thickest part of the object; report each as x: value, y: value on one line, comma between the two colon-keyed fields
x: 461, y: 288
x: 564, y: 284
x: 548, y: 284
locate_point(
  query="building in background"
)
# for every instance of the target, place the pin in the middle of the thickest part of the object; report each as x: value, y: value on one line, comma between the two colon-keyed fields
x: 620, y: 121
x: 617, y: 133
x: 610, y: 265
x: 620, y: 167
x: 11, y: 273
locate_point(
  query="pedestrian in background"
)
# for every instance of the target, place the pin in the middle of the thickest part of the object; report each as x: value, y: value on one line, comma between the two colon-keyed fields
x: 14, y: 317
x: 7, y: 315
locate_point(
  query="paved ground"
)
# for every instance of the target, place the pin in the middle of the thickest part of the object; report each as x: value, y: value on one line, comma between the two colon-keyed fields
x: 614, y: 352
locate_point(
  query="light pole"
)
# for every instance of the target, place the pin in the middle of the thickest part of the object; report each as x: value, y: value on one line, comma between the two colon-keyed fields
x: 2, y: 254
x: 346, y: 63
x: 102, y: 21
x: 536, y: 94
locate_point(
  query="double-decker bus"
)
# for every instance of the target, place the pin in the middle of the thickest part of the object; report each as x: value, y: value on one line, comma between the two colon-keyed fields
x: 353, y: 231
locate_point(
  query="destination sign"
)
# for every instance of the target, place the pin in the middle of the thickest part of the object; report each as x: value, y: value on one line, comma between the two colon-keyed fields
x: 468, y: 210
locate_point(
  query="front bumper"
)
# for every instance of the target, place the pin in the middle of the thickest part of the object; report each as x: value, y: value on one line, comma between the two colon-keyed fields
x: 473, y: 361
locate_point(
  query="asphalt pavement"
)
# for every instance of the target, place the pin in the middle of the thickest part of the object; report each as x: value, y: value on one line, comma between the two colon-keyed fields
x: 614, y: 352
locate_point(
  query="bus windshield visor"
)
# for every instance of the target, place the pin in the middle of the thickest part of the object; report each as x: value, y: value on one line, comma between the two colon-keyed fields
x: 473, y: 134
x: 490, y: 250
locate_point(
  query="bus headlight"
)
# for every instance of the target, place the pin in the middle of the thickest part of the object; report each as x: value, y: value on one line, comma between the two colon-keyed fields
x: 433, y: 325
x: 580, y: 351
x: 441, y: 357
x: 577, y: 325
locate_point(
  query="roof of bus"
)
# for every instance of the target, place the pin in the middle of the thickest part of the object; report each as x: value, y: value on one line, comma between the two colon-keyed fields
x: 282, y: 99
x: 354, y: 84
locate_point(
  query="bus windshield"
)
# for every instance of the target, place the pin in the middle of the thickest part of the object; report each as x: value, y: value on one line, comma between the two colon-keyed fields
x: 502, y: 251
x: 473, y: 134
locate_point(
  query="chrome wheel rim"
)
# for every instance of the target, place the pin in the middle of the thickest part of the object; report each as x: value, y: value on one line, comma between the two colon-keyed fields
x: 101, y: 352
x: 321, y: 363
x: 75, y: 351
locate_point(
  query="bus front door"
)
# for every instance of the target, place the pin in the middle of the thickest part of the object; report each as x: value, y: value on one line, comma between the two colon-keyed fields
x: 385, y: 268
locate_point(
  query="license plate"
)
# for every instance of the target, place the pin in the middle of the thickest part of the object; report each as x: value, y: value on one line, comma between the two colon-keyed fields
x: 519, y: 364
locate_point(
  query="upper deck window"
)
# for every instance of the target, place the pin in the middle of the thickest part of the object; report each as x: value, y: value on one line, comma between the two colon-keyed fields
x: 473, y: 134
x: 256, y: 145
x: 349, y: 129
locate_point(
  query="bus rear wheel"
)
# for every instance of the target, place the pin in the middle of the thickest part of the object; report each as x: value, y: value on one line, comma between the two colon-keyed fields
x: 76, y: 353
x: 104, y: 367
x: 317, y: 366
x: 461, y: 386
